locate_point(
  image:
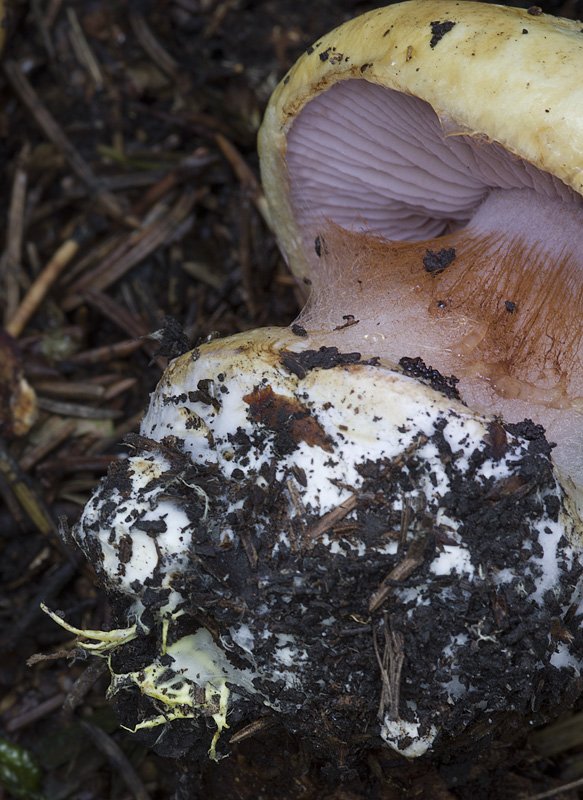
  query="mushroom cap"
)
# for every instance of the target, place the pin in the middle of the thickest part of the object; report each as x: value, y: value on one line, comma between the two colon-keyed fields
x: 502, y: 74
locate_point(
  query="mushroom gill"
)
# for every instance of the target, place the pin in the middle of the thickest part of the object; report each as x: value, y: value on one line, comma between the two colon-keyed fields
x: 425, y: 236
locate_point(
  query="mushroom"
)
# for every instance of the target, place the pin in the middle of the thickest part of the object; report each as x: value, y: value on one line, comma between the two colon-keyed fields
x: 423, y: 169
x: 314, y: 527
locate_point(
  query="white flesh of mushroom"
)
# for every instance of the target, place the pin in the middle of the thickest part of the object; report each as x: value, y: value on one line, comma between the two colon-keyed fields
x: 348, y: 416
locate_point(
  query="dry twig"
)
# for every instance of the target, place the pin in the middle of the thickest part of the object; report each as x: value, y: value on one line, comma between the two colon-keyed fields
x: 15, y: 486
x: 117, y: 759
x: 33, y: 715
x: 390, y: 665
x: 15, y: 231
x: 551, y: 793
x: 124, y: 320
x: 39, y: 289
x: 245, y: 176
x: 34, y: 454
x: 399, y: 573
x: 133, y: 249
x: 329, y: 520
x: 252, y: 729
x: 82, y: 49
x: 152, y: 46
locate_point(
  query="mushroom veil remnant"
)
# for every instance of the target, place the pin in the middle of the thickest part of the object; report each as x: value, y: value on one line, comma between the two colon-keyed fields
x: 354, y: 530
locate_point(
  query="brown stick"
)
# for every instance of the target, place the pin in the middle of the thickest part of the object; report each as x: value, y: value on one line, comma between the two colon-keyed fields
x: 552, y: 793
x: 334, y: 516
x: 390, y: 665
x: 50, y: 442
x: 14, y: 235
x: 33, y: 715
x: 118, y: 760
x: 245, y: 175
x: 401, y: 572
x: 121, y: 317
x: 23, y: 493
x: 37, y: 292
x: 106, y: 352
x: 152, y: 46
x: 82, y: 49
x: 141, y: 244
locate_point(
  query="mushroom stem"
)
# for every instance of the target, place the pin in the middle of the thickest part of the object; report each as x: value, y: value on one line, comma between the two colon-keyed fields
x: 497, y: 303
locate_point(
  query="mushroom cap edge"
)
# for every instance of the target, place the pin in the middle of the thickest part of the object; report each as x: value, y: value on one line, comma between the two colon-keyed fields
x: 483, y: 76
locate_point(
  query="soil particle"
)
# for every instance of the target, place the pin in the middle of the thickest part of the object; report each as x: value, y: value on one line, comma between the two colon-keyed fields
x: 436, y: 263
x: 416, y: 368
x: 325, y: 358
x: 497, y: 439
x: 534, y: 433
x: 438, y: 31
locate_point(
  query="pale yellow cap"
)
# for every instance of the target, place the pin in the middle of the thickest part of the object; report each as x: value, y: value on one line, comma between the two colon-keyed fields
x: 510, y: 75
